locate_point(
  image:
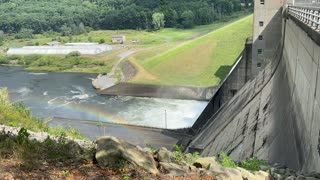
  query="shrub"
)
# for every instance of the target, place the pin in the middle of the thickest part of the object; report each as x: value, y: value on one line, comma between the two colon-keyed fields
x: 253, y: 164
x: 73, y: 54
x: 14, y: 57
x: 179, y: 156
x: 226, y: 161
x: 101, y: 41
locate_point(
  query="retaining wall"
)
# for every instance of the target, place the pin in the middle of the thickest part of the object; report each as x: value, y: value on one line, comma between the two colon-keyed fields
x: 160, y: 91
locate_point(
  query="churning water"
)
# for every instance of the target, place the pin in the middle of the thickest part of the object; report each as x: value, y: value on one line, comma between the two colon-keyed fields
x: 70, y: 95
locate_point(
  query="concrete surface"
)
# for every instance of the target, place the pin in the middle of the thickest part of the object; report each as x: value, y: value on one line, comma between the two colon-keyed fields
x: 276, y: 116
x: 137, y: 135
x: 238, y: 76
x: 160, y: 91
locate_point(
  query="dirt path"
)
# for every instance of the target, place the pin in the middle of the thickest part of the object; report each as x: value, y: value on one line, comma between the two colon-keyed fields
x: 106, y: 81
x: 122, y: 57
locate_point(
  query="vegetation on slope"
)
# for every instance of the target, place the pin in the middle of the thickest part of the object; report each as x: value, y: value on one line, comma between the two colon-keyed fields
x: 18, y: 115
x: 202, y: 62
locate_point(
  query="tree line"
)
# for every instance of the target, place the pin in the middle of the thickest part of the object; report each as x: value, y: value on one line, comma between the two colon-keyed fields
x: 70, y: 17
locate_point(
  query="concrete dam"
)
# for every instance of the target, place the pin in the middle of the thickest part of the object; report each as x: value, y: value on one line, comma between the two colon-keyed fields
x: 274, y: 112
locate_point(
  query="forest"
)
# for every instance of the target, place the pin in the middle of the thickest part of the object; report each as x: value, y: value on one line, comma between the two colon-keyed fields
x: 71, y: 17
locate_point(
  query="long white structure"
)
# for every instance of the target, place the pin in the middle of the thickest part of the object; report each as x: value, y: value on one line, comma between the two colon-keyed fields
x: 60, y: 50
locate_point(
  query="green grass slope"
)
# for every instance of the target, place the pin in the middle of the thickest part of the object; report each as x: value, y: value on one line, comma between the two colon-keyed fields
x: 202, y: 62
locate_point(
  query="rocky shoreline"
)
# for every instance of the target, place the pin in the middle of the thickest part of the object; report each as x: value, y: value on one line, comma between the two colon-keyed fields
x: 111, y: 152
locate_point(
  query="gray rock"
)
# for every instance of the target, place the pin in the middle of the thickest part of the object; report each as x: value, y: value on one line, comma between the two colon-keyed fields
x: 111, y: 150
x: 174, y: 169
x: 205, y: 162
x: 311, y: 178
x: 225, y: 173
x: 291, y: 178
x: 313, y: 174
x: 77, y: 145
x: 249, y: 175
x: 163, y: 155
x: 192, y: 168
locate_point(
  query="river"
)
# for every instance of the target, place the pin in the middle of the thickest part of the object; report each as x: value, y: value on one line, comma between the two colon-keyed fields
x: 71, y: 96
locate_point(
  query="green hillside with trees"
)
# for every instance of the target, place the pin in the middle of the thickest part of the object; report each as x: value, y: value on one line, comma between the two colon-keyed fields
x: 71, y: 17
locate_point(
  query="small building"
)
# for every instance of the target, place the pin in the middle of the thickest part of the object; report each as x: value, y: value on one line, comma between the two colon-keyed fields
x: 118, y: 39
x: 53, y: 43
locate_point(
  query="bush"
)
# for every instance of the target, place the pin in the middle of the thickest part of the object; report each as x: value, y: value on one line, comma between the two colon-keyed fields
x: 253, y: 164
x: 101, y: 41
x: 4, y: 60
x: 73, y: 54
x: 226, y: 161
x: 14, y: 57
x: 179, y: 156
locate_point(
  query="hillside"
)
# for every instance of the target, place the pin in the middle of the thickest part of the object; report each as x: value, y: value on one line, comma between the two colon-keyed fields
x: 201, y: 62
x: 71, y: 17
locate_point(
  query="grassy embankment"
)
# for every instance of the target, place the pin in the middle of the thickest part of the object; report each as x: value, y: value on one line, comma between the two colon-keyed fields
x: 150, y: 44
x: 204, y: 61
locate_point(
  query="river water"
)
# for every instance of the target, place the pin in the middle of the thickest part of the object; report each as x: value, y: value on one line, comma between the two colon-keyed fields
x: 71, y: 96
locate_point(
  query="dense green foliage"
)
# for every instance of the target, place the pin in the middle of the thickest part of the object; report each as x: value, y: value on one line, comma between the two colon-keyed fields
x: 226, y: 161
x: 51, y: 62
x: 70, y: 17
x: 253, y: 164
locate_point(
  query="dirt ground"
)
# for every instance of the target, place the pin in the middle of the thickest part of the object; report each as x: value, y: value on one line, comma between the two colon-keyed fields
x: 13, y: 169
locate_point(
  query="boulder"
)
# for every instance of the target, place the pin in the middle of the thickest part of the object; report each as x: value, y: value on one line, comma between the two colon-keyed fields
x: 224, y: 173
x: 205, y: 162
x: 257, y: 175
x: 163, y: 155
x: 174, y: 169
x: 110, y: 151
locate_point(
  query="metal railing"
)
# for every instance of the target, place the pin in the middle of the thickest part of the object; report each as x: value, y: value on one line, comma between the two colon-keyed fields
x: 308, y: 15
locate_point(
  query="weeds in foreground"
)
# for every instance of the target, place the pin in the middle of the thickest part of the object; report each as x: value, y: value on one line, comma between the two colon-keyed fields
x: 65, y: 173
x: 226, y: 161
x: 33, y: 153
x: 252, y: 164
x: 179, y: 156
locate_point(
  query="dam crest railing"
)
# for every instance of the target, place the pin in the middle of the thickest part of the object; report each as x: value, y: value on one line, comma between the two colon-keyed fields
x: 307, y: 15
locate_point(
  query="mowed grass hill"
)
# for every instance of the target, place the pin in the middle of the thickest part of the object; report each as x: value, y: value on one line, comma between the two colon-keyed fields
x: 204, y: 61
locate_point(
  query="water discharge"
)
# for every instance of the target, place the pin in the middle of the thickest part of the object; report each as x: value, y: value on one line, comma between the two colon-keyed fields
x: 70, y: 95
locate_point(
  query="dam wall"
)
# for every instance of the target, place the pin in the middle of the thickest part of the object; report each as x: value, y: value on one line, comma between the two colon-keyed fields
x: 160, y: 91
x: 276, y: 115
x: 239, y: 74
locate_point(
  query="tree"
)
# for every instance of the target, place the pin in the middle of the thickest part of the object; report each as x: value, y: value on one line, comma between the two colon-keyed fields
x: 1, y: 37
x: 24, y: 33
x: 158, y: 21
x: 66, y: 30
x: 82, y: 28
x: 187, y: 19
